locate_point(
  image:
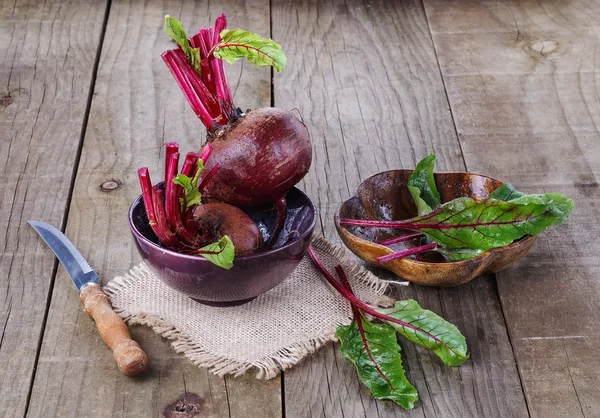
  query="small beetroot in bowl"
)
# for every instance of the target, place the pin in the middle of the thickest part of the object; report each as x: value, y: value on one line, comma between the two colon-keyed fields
x: 176, y: 215
x: 220, y: 220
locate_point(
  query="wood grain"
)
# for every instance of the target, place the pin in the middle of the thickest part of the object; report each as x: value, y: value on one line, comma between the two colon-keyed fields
x: 47, y: 54
x: 365, y: 77
x: 136, y: 107
x: 522, y: 82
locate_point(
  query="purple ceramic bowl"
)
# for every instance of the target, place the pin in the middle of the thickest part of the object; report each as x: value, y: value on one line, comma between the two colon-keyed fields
x: 250, y: 276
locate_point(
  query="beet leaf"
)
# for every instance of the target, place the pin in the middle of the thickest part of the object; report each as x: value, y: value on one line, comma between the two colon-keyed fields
x: 190, y: 186
x: 375, y: 352
x: 422, y: 185
x: 422, y: 207
x: 240, y: 43
x: 459, y: 254
x: 430, y: 331
x: 220, y: 253
x: 174, y: 28
x: 506, y: 192
x: 484, y: 224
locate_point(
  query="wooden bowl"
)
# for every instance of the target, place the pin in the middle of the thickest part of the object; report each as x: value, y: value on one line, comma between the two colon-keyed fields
x: 385, y: 196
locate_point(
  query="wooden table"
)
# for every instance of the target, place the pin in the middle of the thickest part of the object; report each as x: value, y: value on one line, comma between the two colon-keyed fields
x: 509, y: 89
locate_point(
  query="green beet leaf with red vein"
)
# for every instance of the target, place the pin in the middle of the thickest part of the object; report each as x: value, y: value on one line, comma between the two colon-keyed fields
x: 240, y: 43
x: 466, y: 223
x: 375, y: 352
x: 491, y: 223
x: 427, y: 329
x: 506, y: 192
x: 220, y: 253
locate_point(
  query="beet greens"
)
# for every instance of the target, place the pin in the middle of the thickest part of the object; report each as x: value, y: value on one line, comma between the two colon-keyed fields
x: 197, y: 66
x: 374, y: 349
x: 464, y: 227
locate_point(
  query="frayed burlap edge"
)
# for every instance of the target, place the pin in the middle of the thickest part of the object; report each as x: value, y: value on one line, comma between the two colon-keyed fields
x: 268, y: 366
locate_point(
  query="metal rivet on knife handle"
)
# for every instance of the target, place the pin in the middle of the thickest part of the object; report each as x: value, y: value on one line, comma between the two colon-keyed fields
x: 130, y: 358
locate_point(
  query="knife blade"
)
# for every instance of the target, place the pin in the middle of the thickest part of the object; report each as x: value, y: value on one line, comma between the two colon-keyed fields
x: 130, y: 358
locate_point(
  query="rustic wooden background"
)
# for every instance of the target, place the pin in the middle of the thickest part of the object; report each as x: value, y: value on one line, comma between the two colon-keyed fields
x: 506, y: 88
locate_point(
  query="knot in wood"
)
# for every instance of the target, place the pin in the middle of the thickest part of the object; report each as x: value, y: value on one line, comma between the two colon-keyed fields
x: 544, y: 47
x: 109, y: 186
x: 6, y: 100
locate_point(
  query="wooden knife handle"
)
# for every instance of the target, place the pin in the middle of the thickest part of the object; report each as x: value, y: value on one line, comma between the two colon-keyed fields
x: 129, y: 356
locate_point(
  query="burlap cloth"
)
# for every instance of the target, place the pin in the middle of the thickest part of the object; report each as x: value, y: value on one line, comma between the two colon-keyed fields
x: 269, y: 334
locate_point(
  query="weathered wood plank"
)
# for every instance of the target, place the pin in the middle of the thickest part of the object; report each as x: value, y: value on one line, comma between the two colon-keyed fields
x: 522, y: 82
x: 366, y: 79
x: 47, y: 53
x: 137, y: 107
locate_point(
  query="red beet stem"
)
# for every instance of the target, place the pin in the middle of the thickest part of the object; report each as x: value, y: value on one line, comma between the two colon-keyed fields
x: 172, y: 206
x: 281, y: 207
x: 164, y: 234
x: 206, y: 152
x: 401, y: 238
x: 406, y: 253
x: 221, y: 84
x: 200, y: 89
x: 197, y: 41
x: 208, y: 177
x: 343, y: 278
x: 172, y: 203
x: 189, y: 169
x: 170, y: 149
x: 346, y: 283
x: 357, y: 303
x: 190, y: 164
x: 187, y: 88
x: 146, y: 186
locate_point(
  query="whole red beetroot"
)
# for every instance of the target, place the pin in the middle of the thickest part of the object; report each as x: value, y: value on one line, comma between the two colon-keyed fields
x: 262, y: 156
x: 219, y: 219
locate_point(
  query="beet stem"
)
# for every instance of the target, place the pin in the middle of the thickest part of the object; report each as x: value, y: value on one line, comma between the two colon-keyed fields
x: 343, y: 278
x: 356, y: 302
x: 190, y: 164
x: 171, y: 148
x: 187, y: 89
x: 202, y: 92
x: 208, y: 177
x: 197, y: 41
x: 206, y: 152
x: 406, y: 253
x: 146, y: 185
x: 164, y: 234
x: 173, y: 193
x: 172, y: 206
x: 281, y: 207
x: 221, y: 84
x: 401, y: 238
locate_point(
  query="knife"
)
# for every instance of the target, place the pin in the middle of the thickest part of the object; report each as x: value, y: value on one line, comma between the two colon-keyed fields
x: 129, y: 356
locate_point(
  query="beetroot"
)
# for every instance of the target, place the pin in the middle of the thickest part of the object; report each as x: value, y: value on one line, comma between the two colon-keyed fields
x: 263, y: 153
x: 262, y: 156
x: 216, y: 231
x: 220, y: 219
